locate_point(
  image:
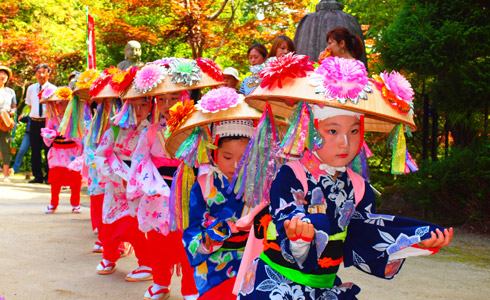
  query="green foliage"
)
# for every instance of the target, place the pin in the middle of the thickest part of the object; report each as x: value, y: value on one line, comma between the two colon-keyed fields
x: 444, y: 43
x: 456, y: 189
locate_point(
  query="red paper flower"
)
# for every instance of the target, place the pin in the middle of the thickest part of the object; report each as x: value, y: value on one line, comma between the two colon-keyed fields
x: 210, y: 67
x: 290, y: 65
x: 111, y: 71
x: 98, y: 85
x: 120, y: 81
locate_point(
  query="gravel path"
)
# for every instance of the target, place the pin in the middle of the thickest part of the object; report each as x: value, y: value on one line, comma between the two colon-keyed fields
x: 49, y: 257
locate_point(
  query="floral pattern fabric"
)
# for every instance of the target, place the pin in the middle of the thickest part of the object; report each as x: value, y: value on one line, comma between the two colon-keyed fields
x: 211, y: 217
x: 113, y: 171
x: 376, y: 244
x: 146, y: 182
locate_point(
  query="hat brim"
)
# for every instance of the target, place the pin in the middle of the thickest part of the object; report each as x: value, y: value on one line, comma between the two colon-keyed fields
x: 106, y: 93
x: 7, y: 69
x: 167, y: 86
x: 380, y: 116
x: 54, y: 97
x: 82, y: 94
x: 199, y: 118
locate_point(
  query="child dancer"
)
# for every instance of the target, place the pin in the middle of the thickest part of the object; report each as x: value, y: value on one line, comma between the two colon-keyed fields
x: 113, y: 160
x: 322, y: 213
x: 106, y: 108
x: 152, y: 171
x: 63, y: 152
x: 213, y: 243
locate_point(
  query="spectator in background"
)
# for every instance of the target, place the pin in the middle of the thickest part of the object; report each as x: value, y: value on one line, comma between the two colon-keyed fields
x: 281, y: 46
x: 342, y: 43
x: 256, y: 56
x: 24, y: 146
x: 231, y: 78
x: 38, y: 121
x: 8, y: 104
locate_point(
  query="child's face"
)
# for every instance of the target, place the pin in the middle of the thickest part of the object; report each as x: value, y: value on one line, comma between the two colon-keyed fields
x: 165, y: 102
x: 142, y: 109
x: 341, y: 136
x: 229, y: 154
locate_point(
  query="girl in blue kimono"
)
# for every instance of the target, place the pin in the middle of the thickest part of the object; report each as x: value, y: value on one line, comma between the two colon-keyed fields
x: 213, y: 243
x: 322, y: 214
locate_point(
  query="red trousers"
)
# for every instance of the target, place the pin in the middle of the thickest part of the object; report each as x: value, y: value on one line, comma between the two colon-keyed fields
x: 124, y: 230
x: 166, y: 252
x: 96, y: 210
x: 60, y: 176
x: 222, y: 291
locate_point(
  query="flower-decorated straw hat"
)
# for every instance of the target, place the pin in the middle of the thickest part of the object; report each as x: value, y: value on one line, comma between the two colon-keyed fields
x: 291, y: 84
x: 336, y: 82
x: 83, y: 82
x: 222, y: 107
x: 169, y: 75
x: 63, y: 93
x: 102, y: 87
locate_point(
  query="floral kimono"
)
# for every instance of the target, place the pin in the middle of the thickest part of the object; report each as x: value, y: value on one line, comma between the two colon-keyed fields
x: 148, y: 163
x: 213, y: 213
x: 112, y: 161
x: 344, y: 232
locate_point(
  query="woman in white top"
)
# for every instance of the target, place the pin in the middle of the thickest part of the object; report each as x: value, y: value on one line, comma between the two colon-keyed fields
x: 8, y: 103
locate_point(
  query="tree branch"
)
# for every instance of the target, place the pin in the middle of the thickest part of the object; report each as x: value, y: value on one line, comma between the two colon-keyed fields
x: 233, y: 9
x: 217, y: 13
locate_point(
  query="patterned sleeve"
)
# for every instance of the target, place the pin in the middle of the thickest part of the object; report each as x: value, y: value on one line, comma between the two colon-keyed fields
x: 202, y: 224
x: 287, y: 196
x: 107, y: 163
x: 378, y: 244
x: 144, y: 175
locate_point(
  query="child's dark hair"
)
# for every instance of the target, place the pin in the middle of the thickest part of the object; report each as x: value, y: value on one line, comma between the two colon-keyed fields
x: 352, y: 41
x: 230, y: 138
x: 260, y: 48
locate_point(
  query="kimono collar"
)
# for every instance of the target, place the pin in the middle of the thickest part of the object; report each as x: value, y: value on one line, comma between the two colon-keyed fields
x: 315, y: 166
x: 213, y: 169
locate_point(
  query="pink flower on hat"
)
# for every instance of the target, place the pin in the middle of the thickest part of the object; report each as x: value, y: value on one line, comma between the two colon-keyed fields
x: 148, y: 77
x: 341, y: 79
x: 396, y: 89
x: 219, y: 99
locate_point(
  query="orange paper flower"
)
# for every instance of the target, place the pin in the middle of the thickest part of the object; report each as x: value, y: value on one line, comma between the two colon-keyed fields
x: 64, y: 93
x: 87, y: 78
x: 179, y: 113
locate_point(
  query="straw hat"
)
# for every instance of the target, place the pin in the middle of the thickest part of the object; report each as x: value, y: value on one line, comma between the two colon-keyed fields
x: 61, y: 94
x: 199, y: 118
x: 83, y: 82
x: 165, y: 77
x: 7, y: 69
x: 380, y: 115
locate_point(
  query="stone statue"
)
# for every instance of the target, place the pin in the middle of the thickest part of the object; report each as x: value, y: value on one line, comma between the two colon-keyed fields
x: 311, y: 33
x: 132, y: 56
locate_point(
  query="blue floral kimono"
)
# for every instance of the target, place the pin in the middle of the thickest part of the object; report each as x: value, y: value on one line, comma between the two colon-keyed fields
x: 210, y: 214
x: 344, y: 232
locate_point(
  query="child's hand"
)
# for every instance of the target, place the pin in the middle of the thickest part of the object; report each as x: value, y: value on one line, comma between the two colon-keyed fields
x: 442, y: 239
x: 297, y: 229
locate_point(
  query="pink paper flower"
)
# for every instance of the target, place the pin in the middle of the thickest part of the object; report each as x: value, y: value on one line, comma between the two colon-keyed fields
x: 148, y: 77
x: 341, y: 79
x: 290, y: 65
x: 219, y: 99
x: 396, y: 89
x: 398, y: 85
x: 46, y: 93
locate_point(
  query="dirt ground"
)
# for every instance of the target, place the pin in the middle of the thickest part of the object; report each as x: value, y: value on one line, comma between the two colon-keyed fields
x: 49, y: 257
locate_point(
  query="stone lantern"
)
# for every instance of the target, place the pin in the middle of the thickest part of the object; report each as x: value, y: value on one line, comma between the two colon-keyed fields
x: 310, y: 36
